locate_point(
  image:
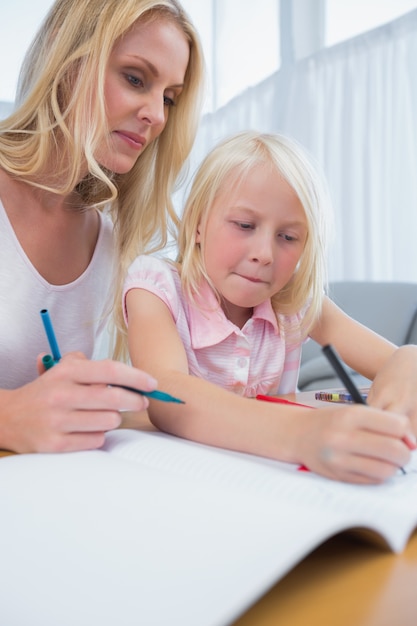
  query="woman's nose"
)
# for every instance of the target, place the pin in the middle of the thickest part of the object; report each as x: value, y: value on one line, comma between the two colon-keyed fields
x: 152, y: 111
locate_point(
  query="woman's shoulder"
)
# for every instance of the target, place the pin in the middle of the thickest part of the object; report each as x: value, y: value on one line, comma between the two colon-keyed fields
x: 106, y: 226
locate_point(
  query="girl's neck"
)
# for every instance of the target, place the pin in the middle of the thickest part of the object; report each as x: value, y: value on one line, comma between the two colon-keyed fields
x: 235, y: 314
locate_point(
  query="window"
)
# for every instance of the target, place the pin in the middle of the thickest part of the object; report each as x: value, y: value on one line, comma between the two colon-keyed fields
x: 349, y: 18
x: 241, y: 44
x: 242, y: 39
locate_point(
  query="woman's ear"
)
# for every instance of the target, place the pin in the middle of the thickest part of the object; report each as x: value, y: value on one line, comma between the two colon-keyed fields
x: 198, y: 234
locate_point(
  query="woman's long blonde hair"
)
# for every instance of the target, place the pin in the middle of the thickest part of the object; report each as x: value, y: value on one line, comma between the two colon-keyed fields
x: 224, y: 167
x: 60, y: 116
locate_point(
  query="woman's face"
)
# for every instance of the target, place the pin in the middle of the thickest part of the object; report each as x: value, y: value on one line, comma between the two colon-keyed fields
x: 144, y: 77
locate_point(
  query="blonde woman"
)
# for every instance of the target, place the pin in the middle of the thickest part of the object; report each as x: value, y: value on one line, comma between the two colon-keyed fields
x: 107, y: 109
x: 227, y: 321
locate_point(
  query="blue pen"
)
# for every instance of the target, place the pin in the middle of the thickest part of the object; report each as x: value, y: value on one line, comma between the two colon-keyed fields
x: 49, y: 362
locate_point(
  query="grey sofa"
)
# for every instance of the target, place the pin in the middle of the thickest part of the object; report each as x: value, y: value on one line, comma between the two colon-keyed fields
x: 389, y: 308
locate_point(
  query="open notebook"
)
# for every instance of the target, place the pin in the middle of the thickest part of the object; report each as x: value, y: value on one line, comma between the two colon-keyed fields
x: 153, y: 530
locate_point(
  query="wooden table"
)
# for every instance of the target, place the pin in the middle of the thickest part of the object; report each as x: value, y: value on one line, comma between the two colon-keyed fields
x: 344, y: 582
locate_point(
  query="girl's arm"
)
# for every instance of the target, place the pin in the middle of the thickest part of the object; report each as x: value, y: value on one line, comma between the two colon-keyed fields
x: 393, y: 369
x: 361, y: 348
x: 352, y: 443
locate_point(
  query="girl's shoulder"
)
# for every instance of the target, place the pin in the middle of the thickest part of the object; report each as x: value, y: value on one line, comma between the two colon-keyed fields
x: 158, y: 276
x: 149, y: 265
x: 147, y: 270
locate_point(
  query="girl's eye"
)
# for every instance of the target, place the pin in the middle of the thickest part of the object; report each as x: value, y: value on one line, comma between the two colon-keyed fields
x: 245, y: 225
x: 287, y: 237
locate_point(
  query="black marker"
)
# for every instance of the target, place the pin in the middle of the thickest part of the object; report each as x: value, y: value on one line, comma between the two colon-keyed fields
x: 347, y: 381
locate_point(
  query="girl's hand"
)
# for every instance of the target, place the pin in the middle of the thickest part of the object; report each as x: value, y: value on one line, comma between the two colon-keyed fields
x: 395, y: 386
x: 70, y: 406
x: 357, y: 444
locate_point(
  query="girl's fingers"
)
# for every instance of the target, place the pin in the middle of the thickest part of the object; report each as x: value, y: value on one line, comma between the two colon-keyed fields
x: 367, y: 457
x: 359, y: 444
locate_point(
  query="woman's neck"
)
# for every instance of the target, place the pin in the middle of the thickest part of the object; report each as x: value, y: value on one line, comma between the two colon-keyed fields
x: 56, y: 234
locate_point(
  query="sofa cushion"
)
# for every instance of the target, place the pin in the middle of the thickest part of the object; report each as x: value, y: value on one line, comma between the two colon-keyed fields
x: 388, y: 308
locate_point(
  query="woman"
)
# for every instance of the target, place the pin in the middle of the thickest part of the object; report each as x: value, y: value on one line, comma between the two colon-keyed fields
x: 108, y: 105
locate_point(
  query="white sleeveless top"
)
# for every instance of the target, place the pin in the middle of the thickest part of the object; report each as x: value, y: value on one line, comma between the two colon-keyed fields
x: 79, y: 310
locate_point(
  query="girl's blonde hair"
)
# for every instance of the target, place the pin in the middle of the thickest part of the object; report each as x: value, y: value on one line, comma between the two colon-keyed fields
x: 224, y: 168
x: 60, y: 116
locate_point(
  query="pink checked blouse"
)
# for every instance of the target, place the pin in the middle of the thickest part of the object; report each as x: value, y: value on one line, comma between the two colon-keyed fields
x: 257, y: 359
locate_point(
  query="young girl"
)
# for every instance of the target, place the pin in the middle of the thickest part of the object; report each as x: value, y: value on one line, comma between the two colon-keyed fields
x: 107, y: 109
x: 227, y: 322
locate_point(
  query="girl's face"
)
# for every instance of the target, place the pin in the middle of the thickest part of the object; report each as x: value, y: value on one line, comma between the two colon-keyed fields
x: 144, y: 78
x: 252, y: 240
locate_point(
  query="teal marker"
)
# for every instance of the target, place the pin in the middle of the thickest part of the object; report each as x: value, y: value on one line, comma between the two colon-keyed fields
x: 155, y: 395
x: 49, y: 361
x: 56, y: 354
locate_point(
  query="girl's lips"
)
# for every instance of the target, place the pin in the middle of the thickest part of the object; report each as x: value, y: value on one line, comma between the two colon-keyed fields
x: 252, y: 279
x: 135, y: 141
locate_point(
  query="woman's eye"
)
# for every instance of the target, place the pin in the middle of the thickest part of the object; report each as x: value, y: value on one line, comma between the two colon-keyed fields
x: 134, y: 80
x: 169, y: 102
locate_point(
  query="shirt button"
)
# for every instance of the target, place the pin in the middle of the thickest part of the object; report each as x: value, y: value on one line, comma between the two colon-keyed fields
x: 242, y: 362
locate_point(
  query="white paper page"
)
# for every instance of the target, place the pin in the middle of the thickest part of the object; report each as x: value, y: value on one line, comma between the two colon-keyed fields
x: 98, y: 538
x: 87, y: 539
x: 390, y: 509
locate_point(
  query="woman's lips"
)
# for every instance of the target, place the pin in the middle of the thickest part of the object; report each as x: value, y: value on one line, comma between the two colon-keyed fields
x: 135, y: 141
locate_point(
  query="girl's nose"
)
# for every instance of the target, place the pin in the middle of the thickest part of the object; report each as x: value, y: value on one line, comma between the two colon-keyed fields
x: 262, y: 251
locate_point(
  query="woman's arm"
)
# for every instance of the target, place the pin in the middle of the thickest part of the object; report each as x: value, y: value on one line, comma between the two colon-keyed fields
x: 356, y: 443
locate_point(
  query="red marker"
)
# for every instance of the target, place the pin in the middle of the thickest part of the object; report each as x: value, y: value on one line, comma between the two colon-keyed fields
x: 282, y: 401
x: 301, y: 468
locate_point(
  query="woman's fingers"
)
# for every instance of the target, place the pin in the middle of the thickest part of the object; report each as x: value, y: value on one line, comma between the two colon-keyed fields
x: 106, y: 372
x: 71, y: 405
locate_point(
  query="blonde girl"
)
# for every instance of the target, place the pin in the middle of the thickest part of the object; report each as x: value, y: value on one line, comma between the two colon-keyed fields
x: 227, y: 321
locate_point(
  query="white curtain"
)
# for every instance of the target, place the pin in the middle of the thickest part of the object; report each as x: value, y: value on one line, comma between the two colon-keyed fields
x: 354, y: 107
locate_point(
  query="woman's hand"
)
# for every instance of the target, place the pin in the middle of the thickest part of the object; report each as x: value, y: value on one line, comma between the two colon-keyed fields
x: 70, y: 406
x: 356, y: 443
